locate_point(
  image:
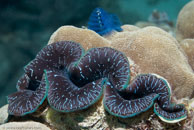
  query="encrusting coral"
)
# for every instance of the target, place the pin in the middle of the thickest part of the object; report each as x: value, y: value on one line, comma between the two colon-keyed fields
x: 188, y: 47
x: 75, y: 81
x: 87, y: 38
x: 165, y: 27
x: 156, y: 51
x: 185, y: 20
x: 129, y: 28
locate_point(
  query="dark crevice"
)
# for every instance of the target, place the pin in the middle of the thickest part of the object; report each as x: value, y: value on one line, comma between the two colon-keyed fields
x: 130, y: 96
x: 33, y: 85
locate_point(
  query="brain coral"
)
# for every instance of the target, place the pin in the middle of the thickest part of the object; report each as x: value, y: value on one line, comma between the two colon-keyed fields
x: 155, y: 51
x: 185, y: 26
x: 88, y: 38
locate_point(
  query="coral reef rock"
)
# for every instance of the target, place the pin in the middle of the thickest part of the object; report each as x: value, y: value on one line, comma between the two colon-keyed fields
x: 4, y: 114
x: 189, y: 104
x: 126, y: 28
x: 156, y: 51
x: 87, y: 38
x: 96, y: 118
x: 166, y: 27
x: 93, y: 118
x: 129, y: 28
x: 30, y: 125
x: 185, y: 26
x: 188, y: 47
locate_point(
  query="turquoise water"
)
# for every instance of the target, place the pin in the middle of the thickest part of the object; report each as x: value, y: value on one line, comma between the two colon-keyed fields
x: 25, y: 27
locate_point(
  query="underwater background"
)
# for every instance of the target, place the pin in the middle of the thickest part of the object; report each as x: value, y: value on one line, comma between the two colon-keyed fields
x: 26, y: 26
